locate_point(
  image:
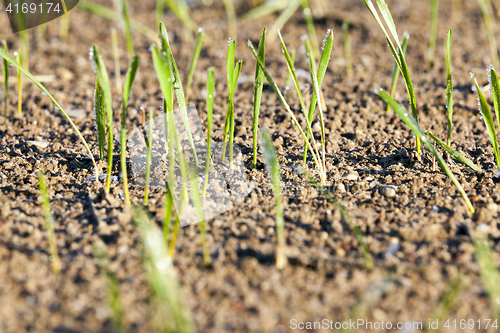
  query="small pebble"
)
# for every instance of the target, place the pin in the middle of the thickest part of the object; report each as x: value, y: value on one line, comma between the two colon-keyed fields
x: 340, y: 188
x: 388, y: 191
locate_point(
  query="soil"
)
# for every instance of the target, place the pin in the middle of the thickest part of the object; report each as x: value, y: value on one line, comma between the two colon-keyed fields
x: 419, y: 238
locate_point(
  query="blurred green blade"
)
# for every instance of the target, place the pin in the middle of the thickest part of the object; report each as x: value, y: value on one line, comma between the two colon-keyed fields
x: 210, y: 109
x: 100, y: 119
x: 495, y: 91
x: 5, y: 78
x: 395, y: 69
x: 401, y: 112
x: 449, y: 89
x: 257, y: 98
x: 453, y: 153
x: 129, y: 79
x: 230, y: 64
x: 164, y: 77
x: 194, y: 61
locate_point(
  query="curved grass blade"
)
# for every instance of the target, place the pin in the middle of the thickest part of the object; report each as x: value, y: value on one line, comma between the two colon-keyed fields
x: 194, y: 61
x: 306, y: 10
x: 129, y: 81
x: 257, y: 97
x: 401, y: 112
x: 449, y: 89
x: 164, y: 77
x: 433, y: 33
x: 102, y: 76
x: 16, y: 64
x: 273, y: 169
x: 347, y: 217
x: 5, y: 71
x: 453, y: 153
x: 264, y: 9
x: 395, y: 69
x: 488, y: 121
x: 210, y: 109
x: 148, y: 156
x: 100, y: 119
x: 56, y: 262
x: 347, y: 48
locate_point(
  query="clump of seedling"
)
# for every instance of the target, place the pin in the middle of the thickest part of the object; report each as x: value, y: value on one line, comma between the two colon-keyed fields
x: 310, y: 142
x: 54, y: 256
x: 273, y: 169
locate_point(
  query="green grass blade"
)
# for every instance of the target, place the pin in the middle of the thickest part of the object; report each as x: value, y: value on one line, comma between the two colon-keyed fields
x: 495, y: 92
x: 273, y: 169
x: 19, y: 58
x: 65, y: 20
x: 395, y: 69
x: 257, y: 97
x: 283, y: 18
x: 288, y: 76
x: 262, y: 10
x: 323, y: 66
x: 210, y: 109
x: 488, y: 22
x: 173, y: 312
x: 347, y: 217
x: 230, y: 77
x: 237, y: 71
x: 347, y: 48
x: 5, y: 78
x: 160, y: 8
x: 401, y: 112
x: 433, y: 33
x: 164, y: 77
x: 102, y: 76
x: 148, y: 156
x: 181, y: 10
x: 306, y: 10
x: 126, y: 24
x: 54, y: 256
x: 386, y: 14
x: 453, y: 153
x: 16, y: 64
x: 129, y: 81
x: 231, y: 16
x: 488, y: 121
x: 194, y: 61
x: 449, y: 89
x: 100, y: 119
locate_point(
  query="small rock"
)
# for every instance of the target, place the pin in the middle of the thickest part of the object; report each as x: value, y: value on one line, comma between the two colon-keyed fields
x: 492, y: 208
x: 41, y: 144
x: 76, y: 113
x: 4, y: 212
x: 351, y: 176
x: 388, y: 191
x: 340, y: 188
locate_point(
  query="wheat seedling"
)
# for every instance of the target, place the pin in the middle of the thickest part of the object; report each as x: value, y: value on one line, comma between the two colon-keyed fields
x: 194, y: 61
x: 129, y: 81
x: 433, y: 33
x: 449, y: 89
x: 347, y: 49
x: 408, y: 120
x: 210, y: 109
x: 398, y: 55
x: 273, y: 169
x: 149, y: 143
x: 486, y: 10
x: 5, y: 71
x: 100, y: 118
x: 54, y: 256
x: 257, y: 97
x: 116, y: 60
x: 395, y: 69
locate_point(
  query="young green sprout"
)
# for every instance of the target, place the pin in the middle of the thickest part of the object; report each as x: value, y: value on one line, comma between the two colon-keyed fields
x: 19, y: 59
x: 129, y: 81
x: 54, y: 256
x: 486, y: 10
x: 100, y: 118
x: 5, y: 70
x: 347, y: 49
x: 174, y: 315
x: 484, y: 109
x: 149, y: 145
x: 395, y: 69
x: 259, y: 84
x: 273, y: 169
x: 449, y: 89
x: 233, y: 73
x: 398, y: 55
x: 103, y: 79
x: 210, y: 109
x: 231, y: 17
x: 408, y: 120
x: 433, y: 33
x: 194, y: 61
x: 123, y: 7
x: 116, y: 60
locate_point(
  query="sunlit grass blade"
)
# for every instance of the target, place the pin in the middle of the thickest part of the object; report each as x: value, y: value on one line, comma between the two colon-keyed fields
x: 129, y: 81
x: 148, y: 156
x: 401, y: 112
x: 123, y: 7
x: 5, y: 71
x: 116, y: 59
x: 102, y: 76
x: 100, y: 120
x: 264, y: 9
x: 485, y: 7
x: 111, y: 15
x: 160, y: 8
x: 448, y: 302
x: 231, y: 17
x: 25, y: 49
x: 19, y: 59
x: 398, y: 55
x: 495, y: 92
x: 257, y: 97
x: 16, y: 64
x: 174, y: 315
x: 433, y: 33
x: 210, y: 109
x: 323, y: 66
x: 290, y: 112
x: 395, y: 69
x: 306, y: 10
x: 100, y: 252
x: 273, y: 168
x: 347, y: 48
x: 347, y: 218
x: 488, y: 271
x: 484, y: 109
x: 230, y: 77
x: 453, y: 153
x: 237, y: 71
x: 285, y: 15
x: 449, y: 89
x: 181, y: 9
x: 194, y: 61
x: 54, y: 256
